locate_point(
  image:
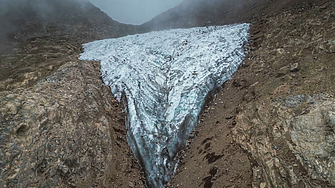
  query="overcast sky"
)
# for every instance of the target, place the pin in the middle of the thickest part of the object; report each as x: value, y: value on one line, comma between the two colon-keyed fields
x: 134, y: 11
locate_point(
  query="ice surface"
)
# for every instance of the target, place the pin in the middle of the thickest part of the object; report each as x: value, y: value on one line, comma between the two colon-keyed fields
x: 165, y: 78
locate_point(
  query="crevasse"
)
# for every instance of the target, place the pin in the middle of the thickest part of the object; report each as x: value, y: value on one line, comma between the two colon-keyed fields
x: 165, y: 77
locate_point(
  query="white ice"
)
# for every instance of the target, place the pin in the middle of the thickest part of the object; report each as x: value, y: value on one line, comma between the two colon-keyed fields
x: 165, y: 77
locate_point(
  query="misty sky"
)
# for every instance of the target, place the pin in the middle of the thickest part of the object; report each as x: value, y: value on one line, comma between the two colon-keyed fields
x: 134, y: 11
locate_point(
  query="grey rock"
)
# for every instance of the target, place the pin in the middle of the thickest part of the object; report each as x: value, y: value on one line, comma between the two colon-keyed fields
x: 310, y: 100
x: 14, y: 151
x: 288, y: 145
x: 294, y: 101
x: 295, y: 67
x: 331, y: 46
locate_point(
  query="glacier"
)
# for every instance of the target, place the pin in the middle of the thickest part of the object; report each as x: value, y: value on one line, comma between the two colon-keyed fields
x: 164, y: 78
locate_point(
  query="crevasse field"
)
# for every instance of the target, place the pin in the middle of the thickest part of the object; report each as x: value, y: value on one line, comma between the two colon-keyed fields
x: 165, y: 78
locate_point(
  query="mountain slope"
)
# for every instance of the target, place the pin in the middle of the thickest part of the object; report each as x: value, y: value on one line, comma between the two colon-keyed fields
x: 72, y: 19
x: 272, y: 124
x: 59, y: 124
x: 193, y: 13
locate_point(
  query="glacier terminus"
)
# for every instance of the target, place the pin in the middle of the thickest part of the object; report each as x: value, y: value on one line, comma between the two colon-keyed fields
x: 164, y: 78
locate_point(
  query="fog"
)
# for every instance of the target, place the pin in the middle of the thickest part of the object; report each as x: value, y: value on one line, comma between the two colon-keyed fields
x: 134, y: 11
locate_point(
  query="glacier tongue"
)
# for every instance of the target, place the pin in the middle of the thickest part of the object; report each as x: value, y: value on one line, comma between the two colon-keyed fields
x: 165, y: 78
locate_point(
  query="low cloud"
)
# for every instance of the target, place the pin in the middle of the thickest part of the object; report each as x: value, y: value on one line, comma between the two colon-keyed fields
x: 134, y: 11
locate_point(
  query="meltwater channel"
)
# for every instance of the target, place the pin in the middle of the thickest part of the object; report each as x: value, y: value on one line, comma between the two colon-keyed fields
x: 164, y: 78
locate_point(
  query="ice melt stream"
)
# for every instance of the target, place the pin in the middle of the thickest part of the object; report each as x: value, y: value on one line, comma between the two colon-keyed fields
x: 165, y: 77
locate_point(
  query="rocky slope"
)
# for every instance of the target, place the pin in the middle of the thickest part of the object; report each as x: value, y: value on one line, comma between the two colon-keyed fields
x: 66, y: 130
x: 59, y: 124
x: 278, y: 108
